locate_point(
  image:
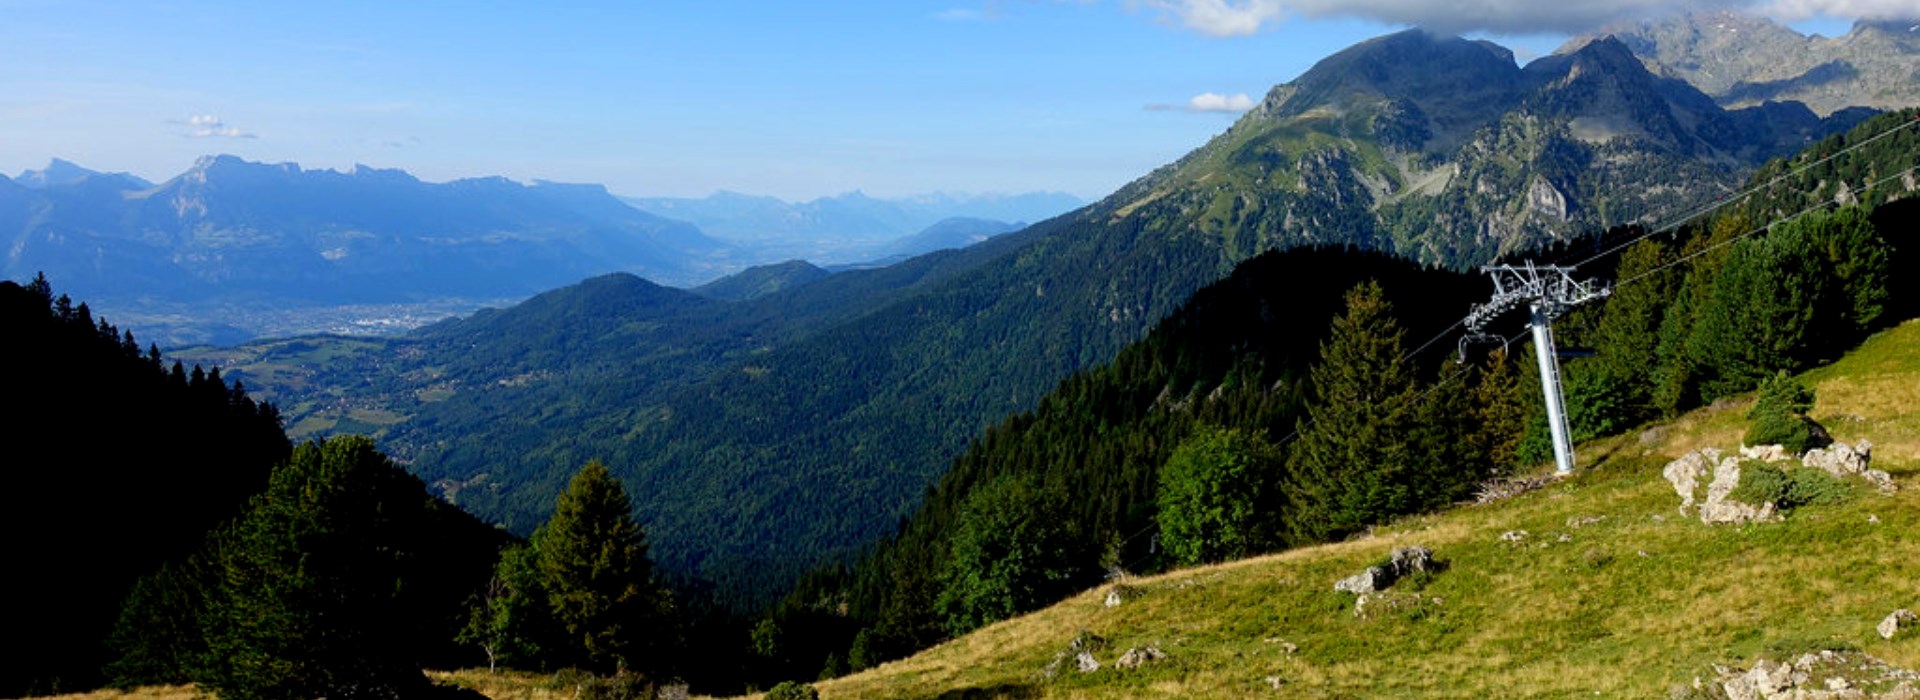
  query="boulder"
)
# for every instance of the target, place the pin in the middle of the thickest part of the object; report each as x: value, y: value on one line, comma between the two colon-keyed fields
x: 1403, y: 561
x: 1718, y: 508
x: 1842, y: 460
x: 1686, y: 472
x: 1372, y: 579
x: 1896, y: 621
x: 1121, y: 593
x: 1765, y: 453
x: 1085, y: 662
x: 1139, y: 656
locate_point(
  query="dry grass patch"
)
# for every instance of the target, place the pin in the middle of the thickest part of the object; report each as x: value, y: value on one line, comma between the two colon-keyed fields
x: 155, y: 692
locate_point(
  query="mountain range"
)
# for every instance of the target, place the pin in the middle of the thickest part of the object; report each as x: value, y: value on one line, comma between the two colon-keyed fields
x: 851, y: 227
x: 1743, y: 60
x: 232, y: 249
x: 794, y: 418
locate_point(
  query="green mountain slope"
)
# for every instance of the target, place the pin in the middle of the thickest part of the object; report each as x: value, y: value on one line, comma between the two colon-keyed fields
x: 806, y: 438
x: 1445, y: 151
x: 1611, y: 592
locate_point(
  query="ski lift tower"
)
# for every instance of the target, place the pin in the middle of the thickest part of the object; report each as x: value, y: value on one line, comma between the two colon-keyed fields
x: 1548, y: 292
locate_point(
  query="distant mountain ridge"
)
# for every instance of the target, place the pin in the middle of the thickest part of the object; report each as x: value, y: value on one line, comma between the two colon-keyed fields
x: 847, y: 228
x: 1745, y: 60
x: 230, y: 234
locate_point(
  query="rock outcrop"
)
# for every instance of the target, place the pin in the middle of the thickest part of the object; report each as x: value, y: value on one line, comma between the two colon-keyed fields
x: 1140, y: 656
x: 1896, y: 621
x: 1404, y: 561
x: 1826, y: 674
x: 1687, y: 472
x: 1842, y: 460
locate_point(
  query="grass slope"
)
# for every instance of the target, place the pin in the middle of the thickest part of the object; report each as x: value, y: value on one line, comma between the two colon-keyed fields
x: 1612, y: 594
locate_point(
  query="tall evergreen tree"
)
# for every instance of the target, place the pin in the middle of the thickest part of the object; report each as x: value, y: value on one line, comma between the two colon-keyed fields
x: 1351, y: 465
x: 1626, y: 342
x: 599, y: 583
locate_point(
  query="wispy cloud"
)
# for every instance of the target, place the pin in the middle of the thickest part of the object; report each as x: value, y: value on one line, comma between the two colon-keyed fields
x: 960, y: 14
x: 204, y: 126
x: 1235, y: 18
x: 1210, y: 102
x: 1860, y: 9
x: 1222, y: 18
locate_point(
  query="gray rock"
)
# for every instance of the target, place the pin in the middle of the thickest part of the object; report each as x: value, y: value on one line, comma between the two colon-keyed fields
x: 1403, y: 561
x: 1719, y: 508
x: 1896, y: 621
x: 1140, y: 656
x: 1513, y: 536
x: 1765, y: 453
x: 1372, y: 579
x: 1407, y: 560
x: 1842, y: 460
x: 1121, y: 593
x: 1085, y: 662
x: 1686, y: 472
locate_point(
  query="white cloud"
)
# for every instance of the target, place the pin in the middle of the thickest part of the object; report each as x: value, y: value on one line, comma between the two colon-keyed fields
x: 1216, y: 102
x: 1505, y: 16
x: 1861, y: 9
x: 202, y: 126
x: 1218, y: 17
x: 1210, y: 102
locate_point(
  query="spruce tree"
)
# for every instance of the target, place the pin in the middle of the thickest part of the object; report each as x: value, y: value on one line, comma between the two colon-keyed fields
x: 1351, y: 466
x: 599, y: 583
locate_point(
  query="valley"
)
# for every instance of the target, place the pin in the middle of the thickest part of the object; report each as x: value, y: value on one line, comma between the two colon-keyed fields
x: 303, y: 432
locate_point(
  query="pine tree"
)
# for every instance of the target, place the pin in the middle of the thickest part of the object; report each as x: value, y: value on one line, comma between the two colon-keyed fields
x: 1351, y: 465
x: 599, y: 583
x: 1501, y: 410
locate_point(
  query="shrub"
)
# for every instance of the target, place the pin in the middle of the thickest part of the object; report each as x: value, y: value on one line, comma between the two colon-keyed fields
x: 1813, y: 487
x: 1788, y: 488
x: 1761, y: 483
x: 1779, y: 416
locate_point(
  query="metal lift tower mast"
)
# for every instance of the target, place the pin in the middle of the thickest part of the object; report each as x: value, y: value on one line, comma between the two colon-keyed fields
x: 1548, y: 292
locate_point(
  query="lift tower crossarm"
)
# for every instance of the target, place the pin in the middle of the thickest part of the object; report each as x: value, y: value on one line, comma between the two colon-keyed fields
x: 1548, y: 292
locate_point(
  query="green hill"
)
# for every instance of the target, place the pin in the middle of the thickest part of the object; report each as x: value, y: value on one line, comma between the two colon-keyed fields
x: 1611, y: 593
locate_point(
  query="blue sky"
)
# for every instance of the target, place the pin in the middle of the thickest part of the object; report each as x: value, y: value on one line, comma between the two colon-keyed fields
x: 656, y: 98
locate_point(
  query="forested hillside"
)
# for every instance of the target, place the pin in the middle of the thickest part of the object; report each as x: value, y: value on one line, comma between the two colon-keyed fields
x: 121, y: 462
x: 1216, y: 411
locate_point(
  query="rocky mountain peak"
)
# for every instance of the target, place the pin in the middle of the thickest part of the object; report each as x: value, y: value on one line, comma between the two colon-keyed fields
x: 1745, y: 60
